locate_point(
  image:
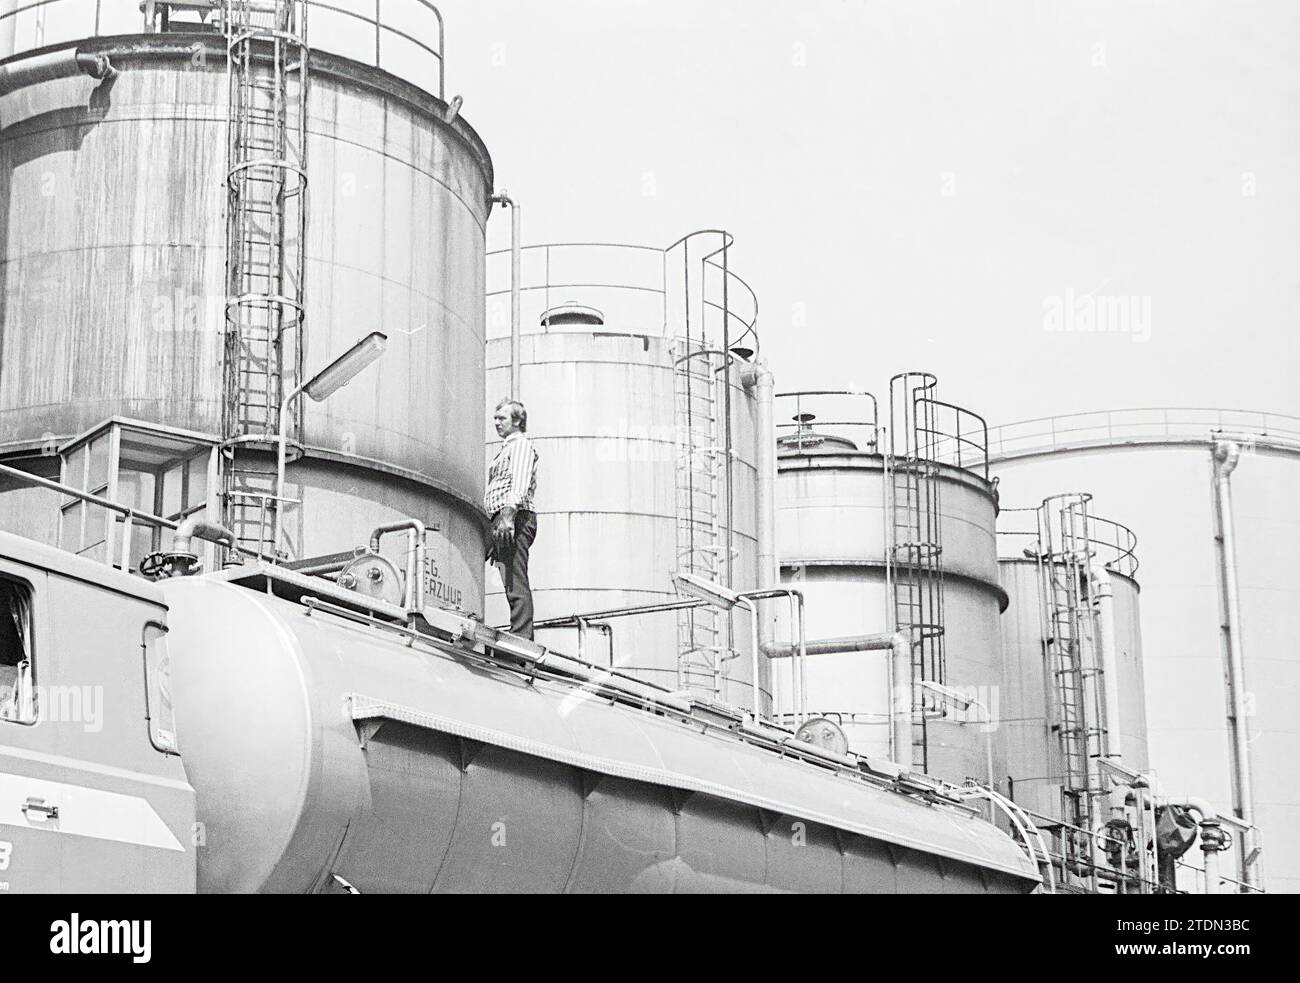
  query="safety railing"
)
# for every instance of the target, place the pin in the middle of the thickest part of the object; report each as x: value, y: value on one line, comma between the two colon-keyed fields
x: 827, y: 421
x: 1155, y: 426
x: 951, y: 434
x: 402, y: 37
x: 1113, y: 544
x: 684, y: 290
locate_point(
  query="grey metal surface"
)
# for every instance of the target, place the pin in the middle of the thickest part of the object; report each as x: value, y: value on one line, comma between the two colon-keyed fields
x: 1032, y: 751
x: 831, y: 536
x: 438, y: 775
x: 126, y: 811
x: 1165, y: 495
x: 600, y: 413
x: 111, y: 204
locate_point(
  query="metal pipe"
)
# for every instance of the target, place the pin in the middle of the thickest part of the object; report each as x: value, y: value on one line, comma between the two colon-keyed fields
x: 1212, y: 839
x: 8, y: 27
x: 832, y: 646
x: 198, y: 527
x: 900, y: 714
x: 1103, y: 600
x: 415, y: 565
x: 753, y: 618
x: 54, y: 65
x: 758, y: 379
x: 801, y: 669
x: 515, y: 263
x: 1226, y: 457
x: 611, y: 613
x: 28, y: 478
x: 281, y: 455
x: 900, y: 664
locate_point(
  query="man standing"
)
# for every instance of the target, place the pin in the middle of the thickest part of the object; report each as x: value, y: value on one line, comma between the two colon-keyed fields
x: 511, y: 485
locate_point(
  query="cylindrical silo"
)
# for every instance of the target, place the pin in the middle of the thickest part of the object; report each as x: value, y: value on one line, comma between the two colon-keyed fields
x: 835, y: 513
x: 1155, y: 467
x: 1029, y: 730
x: 113, y: 200
x: 603, y: 382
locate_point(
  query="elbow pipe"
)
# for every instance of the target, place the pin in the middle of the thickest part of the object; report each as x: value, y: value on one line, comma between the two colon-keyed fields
x: 415, y: 564
x: 55, y: 65
x: 899, y: 646
x: 196, y: 527
x: 1213, y: 839
x: 1192, y: 804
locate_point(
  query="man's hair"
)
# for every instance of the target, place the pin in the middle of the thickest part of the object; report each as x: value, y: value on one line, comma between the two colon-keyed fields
x: 517, y: 413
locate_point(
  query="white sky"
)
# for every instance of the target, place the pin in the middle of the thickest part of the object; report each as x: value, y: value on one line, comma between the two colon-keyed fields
x: 1099, y: 147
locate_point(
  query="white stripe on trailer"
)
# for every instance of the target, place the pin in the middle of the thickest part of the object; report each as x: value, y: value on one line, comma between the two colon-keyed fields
x: 91, y: 812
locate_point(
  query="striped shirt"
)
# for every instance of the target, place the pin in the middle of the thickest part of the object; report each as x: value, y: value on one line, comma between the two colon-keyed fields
x: 512, y: 478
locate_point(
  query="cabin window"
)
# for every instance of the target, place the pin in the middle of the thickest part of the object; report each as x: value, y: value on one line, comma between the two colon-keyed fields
x: 17, y: 674
x: 150, y: 470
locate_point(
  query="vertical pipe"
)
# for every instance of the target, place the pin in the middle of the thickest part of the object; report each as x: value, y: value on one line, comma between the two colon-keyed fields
x: 8, y: 27
x: 1226, y: 457
x: 515, y: 266
x: 900, y: 663
x: 753, y: 619
x: 1103, y: 599
x: 759, y: 381
x: 804, y: 662
x: 1211, y: 871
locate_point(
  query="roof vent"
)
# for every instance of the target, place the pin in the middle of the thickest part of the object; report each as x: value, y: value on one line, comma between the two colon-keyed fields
x: 572, y: 313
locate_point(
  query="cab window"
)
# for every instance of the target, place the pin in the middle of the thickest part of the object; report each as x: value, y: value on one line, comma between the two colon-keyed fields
x: 17, y: 700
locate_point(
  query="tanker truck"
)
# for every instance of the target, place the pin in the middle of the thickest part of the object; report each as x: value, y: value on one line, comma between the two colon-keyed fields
x: 264, y: 728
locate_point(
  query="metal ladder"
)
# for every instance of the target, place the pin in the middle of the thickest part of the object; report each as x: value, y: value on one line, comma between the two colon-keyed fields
x: 915, y: 558
x: 703, y: 648
x: 1069, y: 647
x: 266, y: 220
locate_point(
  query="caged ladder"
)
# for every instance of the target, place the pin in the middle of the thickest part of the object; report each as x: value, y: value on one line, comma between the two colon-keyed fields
x: 1069, y: 648
x: 915, y: 556
x: 266, y: 222
x: 704, y: 645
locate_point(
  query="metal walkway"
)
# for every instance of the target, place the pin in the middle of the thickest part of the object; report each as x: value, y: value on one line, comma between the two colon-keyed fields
x: 1143, y: 429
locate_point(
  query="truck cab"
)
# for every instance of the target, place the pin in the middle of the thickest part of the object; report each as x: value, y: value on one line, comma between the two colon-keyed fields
x: 93, y: 791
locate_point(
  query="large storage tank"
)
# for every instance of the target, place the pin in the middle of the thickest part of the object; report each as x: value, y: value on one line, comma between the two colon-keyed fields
x: 399, y: 764
x: 833, y: 541
x: 1154, y: 467
x: 1030, y: 717
x: 603, y: 330
x: 112, y: 217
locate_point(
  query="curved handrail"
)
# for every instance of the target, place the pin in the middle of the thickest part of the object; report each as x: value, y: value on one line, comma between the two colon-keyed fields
x: 1113, y: 543
x: 132, y: 10
x: 1155, y: 427
x: 813, y: 433
x: 700, y: 291
x: 968, y: 451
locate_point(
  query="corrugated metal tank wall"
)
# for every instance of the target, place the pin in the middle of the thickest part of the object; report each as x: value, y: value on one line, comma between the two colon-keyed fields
x: 601, y: 415
x: 831, y: 542
x: 1033, y: 752
x: 1166, y: 496
x: 112, y: 219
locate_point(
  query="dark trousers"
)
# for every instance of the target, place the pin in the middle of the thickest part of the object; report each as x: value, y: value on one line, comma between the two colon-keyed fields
x: 513, y: 568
